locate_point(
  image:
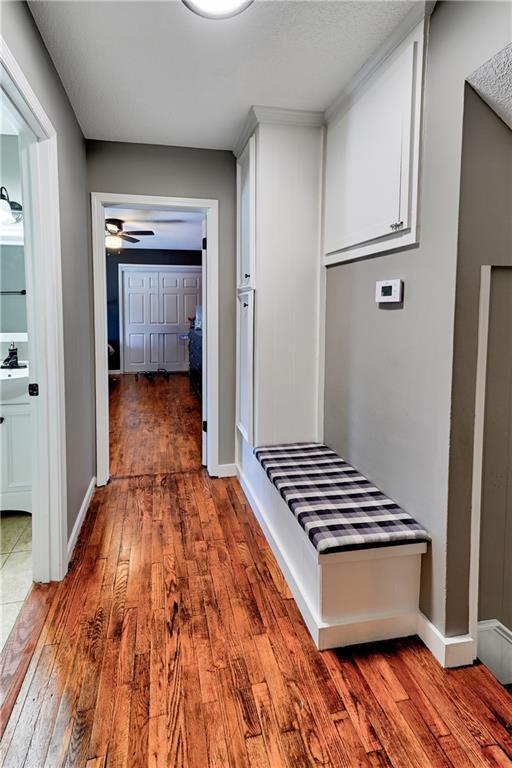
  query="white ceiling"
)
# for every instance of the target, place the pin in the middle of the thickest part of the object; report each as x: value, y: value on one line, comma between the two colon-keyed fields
x: 153, y: 72
x: 185, y: 235
x: 493, y: 81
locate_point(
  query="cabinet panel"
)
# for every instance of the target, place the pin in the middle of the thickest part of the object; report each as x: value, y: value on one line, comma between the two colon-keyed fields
x: 246, y: 213
x: 15, y: 448
x: 245, y: 382
x: 372, y: 159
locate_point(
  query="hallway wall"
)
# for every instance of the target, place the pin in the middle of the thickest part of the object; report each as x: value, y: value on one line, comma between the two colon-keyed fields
x: 24, y: 41
x: 146, y: 169
x: 388, y: 382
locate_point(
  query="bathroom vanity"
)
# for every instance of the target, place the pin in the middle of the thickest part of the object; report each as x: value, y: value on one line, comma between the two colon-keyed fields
x: 15, y: 441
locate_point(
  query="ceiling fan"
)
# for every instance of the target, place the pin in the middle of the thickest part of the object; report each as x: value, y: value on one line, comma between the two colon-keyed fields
x: 114, y: 233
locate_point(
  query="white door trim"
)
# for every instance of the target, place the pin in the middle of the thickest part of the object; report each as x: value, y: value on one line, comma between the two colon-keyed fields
x: 478, y: 446
x: 99, y: 201
x: 148, y: 268
x: 44, y: 304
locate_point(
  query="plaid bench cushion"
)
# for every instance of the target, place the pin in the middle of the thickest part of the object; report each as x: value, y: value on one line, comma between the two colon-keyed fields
x: 336, y: 505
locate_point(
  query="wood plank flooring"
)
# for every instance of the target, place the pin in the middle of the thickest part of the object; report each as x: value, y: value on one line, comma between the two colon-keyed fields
x: 174, y: 641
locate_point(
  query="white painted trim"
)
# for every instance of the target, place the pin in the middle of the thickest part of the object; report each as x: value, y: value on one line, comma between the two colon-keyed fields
x: 44, y: 306
x: 114, y: 372
x: 322, y: 301
x: 81, y: 517
x: 145, y: 268
x: 495, y: 649
x: 278, y: 116
x: 99, y: 201
x: 227, y: 470
x: 458, y: 651
x: 478, y: 445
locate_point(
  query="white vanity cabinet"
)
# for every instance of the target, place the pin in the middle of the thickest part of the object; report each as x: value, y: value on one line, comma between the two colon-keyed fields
x: 15, y: 457
x: 372, y: 159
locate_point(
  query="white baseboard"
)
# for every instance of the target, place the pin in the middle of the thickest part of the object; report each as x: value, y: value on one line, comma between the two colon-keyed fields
x: 81, y: 516
x: 457, y: 651
x: 227, y: 470
x: 449, y: 651
x: 114, y: 372
x: 495, y: 649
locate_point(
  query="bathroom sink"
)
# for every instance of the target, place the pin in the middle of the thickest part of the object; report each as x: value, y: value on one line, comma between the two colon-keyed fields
x: 14, y: 384
x: 14, y: 373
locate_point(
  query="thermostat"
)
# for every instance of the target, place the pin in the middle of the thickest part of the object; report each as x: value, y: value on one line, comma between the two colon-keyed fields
x: 389, y: 291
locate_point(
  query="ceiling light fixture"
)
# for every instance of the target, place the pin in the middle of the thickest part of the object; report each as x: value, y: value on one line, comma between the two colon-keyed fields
x: 10, y: 212
x: 113, y: 242
x: 217, y: 9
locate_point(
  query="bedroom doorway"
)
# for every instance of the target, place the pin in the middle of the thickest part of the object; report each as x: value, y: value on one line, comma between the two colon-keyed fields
x: 155, y: 288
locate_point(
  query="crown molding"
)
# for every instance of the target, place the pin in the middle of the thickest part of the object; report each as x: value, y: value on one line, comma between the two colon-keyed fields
x: 276, y: 116
x: 418, y: 13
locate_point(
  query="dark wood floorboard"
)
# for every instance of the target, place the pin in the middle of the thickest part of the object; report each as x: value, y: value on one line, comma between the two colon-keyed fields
x: 174, y: 641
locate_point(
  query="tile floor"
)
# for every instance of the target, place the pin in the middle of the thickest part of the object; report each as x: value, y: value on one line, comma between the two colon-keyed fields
x: 15, y: 567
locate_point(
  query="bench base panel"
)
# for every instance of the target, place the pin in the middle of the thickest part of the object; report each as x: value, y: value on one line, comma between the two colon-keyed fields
x: 381, y: 601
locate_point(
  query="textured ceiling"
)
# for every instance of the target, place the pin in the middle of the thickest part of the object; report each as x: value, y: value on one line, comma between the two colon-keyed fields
x: 493, y: 82
x: 184, y: 235
x: 153, y: 72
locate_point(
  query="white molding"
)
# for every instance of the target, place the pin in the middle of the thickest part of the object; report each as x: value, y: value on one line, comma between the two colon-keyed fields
x: 81, y: 517
x: 114, y: 372
x: 417, y: 13
x: 145, y: 268
x: 39, y: 167
x: 478, y: 444
x: 495, y: 649
x: 277, y: 116
x: 227, y: 470
x: 457, y: 651
x: 210, y: 207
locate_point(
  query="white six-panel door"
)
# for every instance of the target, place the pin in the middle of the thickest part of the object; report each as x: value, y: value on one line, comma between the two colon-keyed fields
x: 157, y: 303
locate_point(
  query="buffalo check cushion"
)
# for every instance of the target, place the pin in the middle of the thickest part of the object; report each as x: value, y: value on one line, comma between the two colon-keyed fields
x: 338, y: 508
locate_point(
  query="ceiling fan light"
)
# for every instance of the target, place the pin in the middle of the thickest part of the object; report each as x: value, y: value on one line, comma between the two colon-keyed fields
x: 217, y: 9
x: 113, y: 242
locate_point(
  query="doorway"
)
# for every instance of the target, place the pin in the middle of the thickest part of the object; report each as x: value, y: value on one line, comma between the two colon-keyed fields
x: 160, y: 306
x: 33, y: 482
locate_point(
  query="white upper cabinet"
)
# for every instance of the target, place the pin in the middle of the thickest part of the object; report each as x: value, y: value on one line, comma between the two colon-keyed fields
x: 246, y: 184
x: 372, y: 159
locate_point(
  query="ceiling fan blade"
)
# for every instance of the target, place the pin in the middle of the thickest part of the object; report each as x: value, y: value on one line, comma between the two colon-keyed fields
x: 124, y: 236
x: 140, y: 232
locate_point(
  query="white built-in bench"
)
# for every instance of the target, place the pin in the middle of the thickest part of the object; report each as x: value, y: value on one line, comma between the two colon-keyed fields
x: 351, y: 555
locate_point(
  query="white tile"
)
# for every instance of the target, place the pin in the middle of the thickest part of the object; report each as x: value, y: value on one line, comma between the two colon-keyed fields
x: 24, y: 543
x: 16, y: 577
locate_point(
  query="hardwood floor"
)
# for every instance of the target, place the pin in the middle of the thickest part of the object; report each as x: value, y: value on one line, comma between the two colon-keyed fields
x: 174, y: 641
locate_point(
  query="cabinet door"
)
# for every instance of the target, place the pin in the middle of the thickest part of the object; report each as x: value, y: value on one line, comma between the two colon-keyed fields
x: 368, y: 159
x: 15, y: 449
x: 246, y: 181
x: 245, y: 382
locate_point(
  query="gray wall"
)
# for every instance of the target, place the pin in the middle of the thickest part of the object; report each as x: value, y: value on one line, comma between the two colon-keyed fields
x: 24, y: 41
x: 135, y: 256
x: 485, y: 237
x: 388, y: 372
x: 146, y: 169
x: 495, y: 598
